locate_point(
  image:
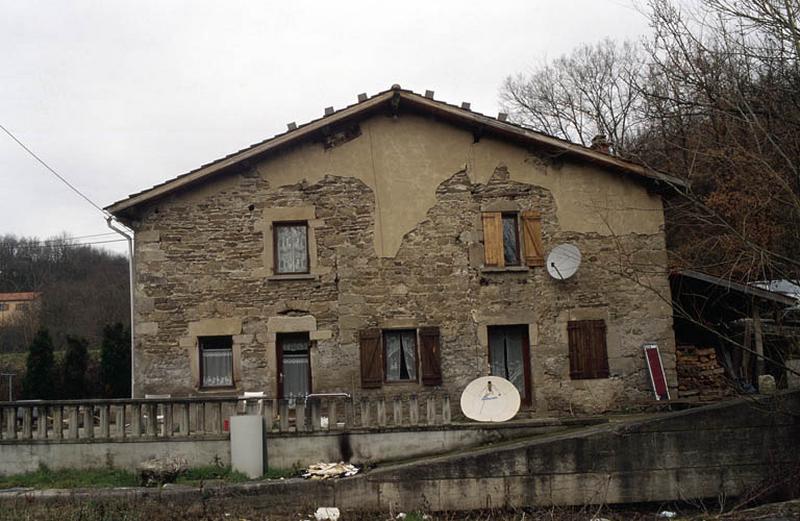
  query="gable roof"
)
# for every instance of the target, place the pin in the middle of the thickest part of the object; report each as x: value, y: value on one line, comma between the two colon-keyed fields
x: 392, y: 99
x: 19, y: 296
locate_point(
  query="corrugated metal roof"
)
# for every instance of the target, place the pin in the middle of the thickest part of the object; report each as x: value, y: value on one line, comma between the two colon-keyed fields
x: 497, y: 126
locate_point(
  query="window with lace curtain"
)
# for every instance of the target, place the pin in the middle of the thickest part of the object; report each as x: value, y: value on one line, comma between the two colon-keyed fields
x: 400, y: 354
x: 216, y: 361
x: 291, y: 247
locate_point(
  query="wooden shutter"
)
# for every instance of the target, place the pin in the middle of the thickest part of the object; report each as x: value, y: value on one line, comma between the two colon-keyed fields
x: 430, y: 355
x: 532, y: 238
x: 371, y: 358
x: 588, y: 356
x: 493, y: 239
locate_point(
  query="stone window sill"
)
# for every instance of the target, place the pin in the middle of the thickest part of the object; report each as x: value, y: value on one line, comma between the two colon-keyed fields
x: 218, y: 391
x: 293, y: 276
x: 506, y: 269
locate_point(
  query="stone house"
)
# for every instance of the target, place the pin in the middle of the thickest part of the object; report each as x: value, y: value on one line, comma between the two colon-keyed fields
x: 16, y: 306
x: 397, y: 246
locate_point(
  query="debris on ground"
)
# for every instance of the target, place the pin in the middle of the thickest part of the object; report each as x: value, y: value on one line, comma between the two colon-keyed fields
x: 158, y: 471
x: 327, y: 514
x: 330, y: 470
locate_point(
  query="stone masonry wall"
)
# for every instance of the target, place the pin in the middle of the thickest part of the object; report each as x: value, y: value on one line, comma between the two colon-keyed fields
x: 199, y: 261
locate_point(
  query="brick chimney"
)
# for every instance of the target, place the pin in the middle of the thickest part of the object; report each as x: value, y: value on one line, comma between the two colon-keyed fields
x: 601, y: 144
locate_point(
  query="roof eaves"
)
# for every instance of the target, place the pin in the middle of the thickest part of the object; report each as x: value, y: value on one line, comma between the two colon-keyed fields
x: 213, y: 167
x: 544, y: 139
x: 763, y: 294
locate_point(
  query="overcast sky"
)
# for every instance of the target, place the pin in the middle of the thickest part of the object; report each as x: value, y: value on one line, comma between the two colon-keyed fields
x: 119, y: 96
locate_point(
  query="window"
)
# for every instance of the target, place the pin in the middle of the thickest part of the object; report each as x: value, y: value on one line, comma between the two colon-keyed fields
x: 216, y: 361
x: 509, y: 356
x: 400, y: 348
x: 22, y: 307
x: 399, y: 355
x: 294, y: 365
x: 291, y: 247
x: 510, y: 239
x: 3, y: 306
x: 588, y: 357
x: 503, y: 245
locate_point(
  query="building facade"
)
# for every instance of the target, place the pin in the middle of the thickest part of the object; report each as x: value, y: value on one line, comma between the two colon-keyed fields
x: 398, y: 246
x: 17, y: 306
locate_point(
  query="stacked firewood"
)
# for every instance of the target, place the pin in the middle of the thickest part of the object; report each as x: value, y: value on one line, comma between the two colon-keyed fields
x: 700, y: 376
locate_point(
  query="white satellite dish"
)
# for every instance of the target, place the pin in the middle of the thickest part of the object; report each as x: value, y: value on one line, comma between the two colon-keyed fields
x: 563, y: 261
x: 490, y: 399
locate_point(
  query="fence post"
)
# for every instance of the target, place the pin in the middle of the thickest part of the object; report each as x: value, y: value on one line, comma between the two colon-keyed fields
x: 268, y: 415
x: 413, y: 410
x: 120, y: 421
x: 201, y: 417
x: 316, y: 415
x: 136, y: 420
x: 183, y: 419
x: 88, y: 421
x: 168, y: 428
x: 72, y: 428
x: 364, y: 412
x: 300, y: 416
x: 382, y: 411
x: 152, y: 419
x: 333, y: 418
x: 283, y: 409
x: 446, y: 412
x: 41, y: 422
x: 11, y: 423
x: 397, y: 413
x: 431, y: 410
x: 26, y: 423
x: 104, y: 429
x: 58, y: 426
x: 218, y: 424
x: 349, y: 421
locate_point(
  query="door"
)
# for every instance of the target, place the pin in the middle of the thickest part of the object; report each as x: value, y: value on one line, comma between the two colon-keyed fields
x: 294, y: 365
x: 509, y: 357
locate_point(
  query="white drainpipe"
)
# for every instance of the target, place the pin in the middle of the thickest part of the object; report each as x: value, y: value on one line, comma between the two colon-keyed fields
x: 125, y: 232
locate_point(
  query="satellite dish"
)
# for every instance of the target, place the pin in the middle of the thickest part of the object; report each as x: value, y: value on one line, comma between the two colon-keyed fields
x: 563, y: 261
x: 490, y: 399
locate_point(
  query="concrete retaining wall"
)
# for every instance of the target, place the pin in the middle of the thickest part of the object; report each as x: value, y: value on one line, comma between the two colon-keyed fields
x: 284, y: 451
x: 26, y: 457
x: 718, y: 450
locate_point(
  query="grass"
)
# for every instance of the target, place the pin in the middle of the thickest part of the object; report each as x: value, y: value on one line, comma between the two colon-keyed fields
x: 70, y: 478
x: 104, y: 478
x: 197, y: 475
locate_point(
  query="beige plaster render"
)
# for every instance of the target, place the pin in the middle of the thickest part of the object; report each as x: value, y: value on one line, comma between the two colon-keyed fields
x: 404, y: 160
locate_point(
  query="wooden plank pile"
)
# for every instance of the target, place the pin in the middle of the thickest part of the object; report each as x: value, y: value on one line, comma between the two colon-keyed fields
x: 700, y: 376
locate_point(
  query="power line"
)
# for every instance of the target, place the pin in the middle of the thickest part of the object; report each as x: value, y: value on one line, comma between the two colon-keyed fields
x: 78, y: 237
x: 48, y: 167
x: 65, y: 245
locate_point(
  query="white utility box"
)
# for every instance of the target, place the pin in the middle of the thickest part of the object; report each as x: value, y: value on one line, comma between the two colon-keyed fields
x: 247, y: 445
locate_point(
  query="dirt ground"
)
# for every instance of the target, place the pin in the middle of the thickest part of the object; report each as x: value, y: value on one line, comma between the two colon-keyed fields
x: 155, y: 510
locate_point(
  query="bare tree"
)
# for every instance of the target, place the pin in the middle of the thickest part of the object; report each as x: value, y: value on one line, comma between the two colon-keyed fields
x: 592, y: 91
x: 723, y: 107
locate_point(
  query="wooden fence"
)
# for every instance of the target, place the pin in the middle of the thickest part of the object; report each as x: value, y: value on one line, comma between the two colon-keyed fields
x: 156, y: 418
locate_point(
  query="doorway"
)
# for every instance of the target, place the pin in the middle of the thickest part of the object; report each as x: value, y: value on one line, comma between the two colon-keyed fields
x: 509, y: 357
x: 294, y: 365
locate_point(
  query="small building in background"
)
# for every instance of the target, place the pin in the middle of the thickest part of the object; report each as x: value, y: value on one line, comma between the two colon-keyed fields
x: 15, y: 306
